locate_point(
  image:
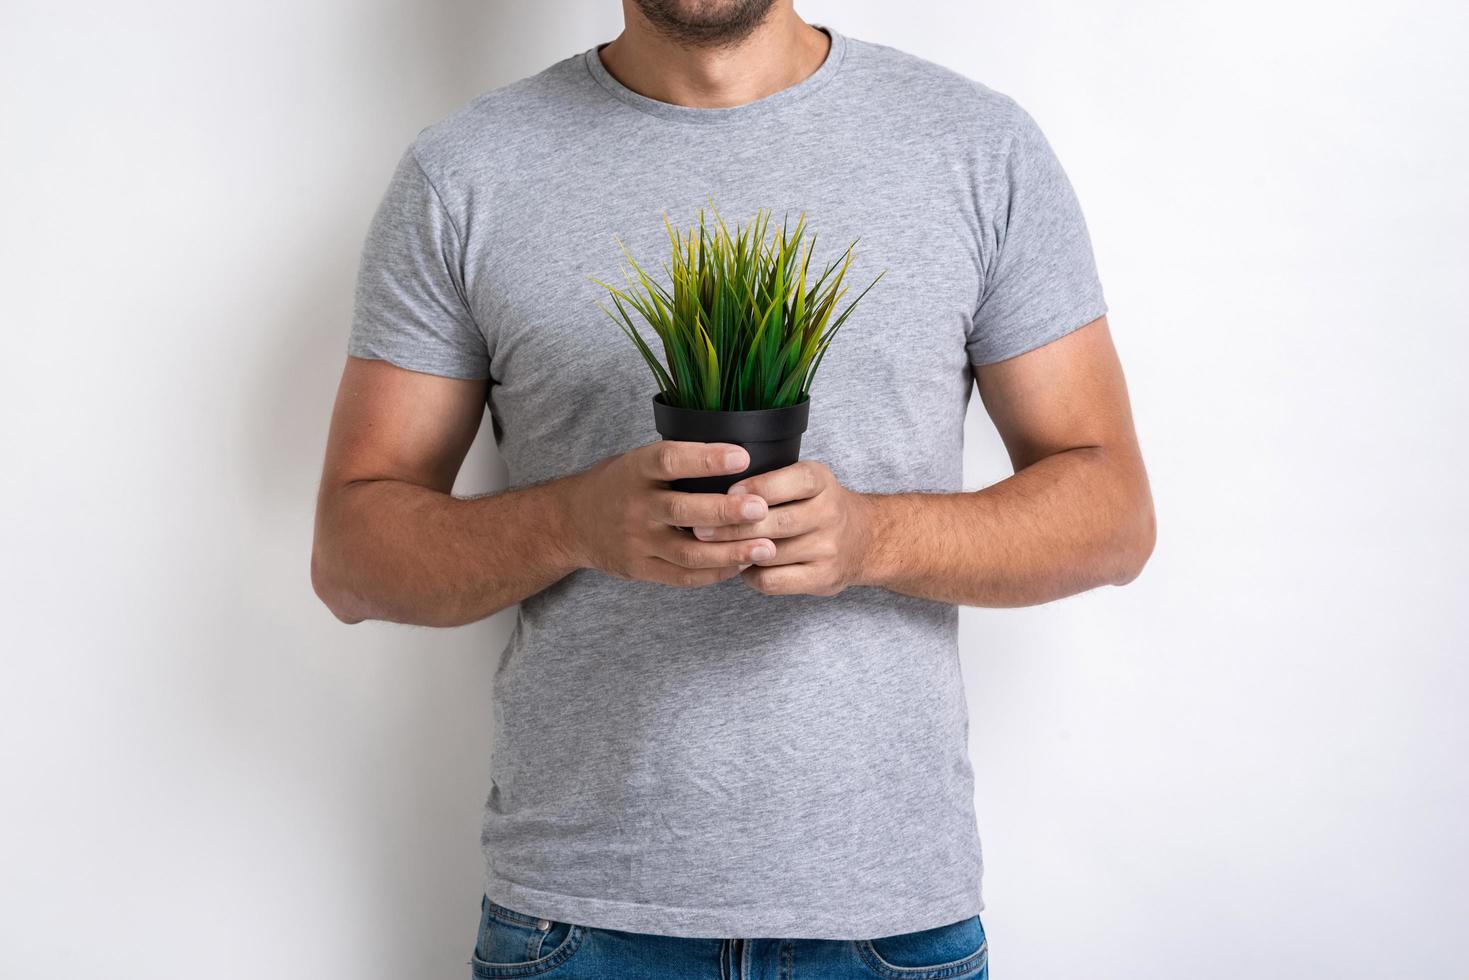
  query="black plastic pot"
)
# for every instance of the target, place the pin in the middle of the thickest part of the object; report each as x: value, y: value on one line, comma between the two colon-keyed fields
x: 772, y: 437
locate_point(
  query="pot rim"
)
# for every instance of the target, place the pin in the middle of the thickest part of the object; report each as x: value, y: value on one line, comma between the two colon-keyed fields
x: 742, y: 412
x: 731, y: 425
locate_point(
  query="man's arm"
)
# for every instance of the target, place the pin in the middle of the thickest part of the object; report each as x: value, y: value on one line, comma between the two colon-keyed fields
x: 1077, y: 513
x: 393, y: 543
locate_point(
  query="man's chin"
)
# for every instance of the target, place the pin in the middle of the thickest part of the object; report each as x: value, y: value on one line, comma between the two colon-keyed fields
x: 705, y: 22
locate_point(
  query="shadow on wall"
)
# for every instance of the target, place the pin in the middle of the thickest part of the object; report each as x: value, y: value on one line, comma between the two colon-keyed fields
x: 409, y: 707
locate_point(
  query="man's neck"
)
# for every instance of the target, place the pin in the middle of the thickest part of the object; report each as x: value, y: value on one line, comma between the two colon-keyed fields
x: 782, y: 51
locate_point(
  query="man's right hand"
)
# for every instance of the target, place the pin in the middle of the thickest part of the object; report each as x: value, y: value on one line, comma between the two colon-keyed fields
x: 624, y: 520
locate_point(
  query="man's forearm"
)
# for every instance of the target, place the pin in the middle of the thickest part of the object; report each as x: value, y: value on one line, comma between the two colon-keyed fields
x: 396, y: 551
x: 1067, y: 523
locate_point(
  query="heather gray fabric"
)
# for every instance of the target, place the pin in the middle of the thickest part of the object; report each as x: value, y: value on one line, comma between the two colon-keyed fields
x: 713, y: 762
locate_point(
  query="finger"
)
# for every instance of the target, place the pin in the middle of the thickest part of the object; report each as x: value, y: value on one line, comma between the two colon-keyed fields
x: 704, y: 509
x: 666, y: 573
x: 784, y: 580
x: 798, y: 481
x: 687, y: 552
x: 785, y: 521
x: 803, y: 548
x: 671, y: 459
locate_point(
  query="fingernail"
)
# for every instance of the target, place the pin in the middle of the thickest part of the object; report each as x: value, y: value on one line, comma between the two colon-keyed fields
x: 738, y: 488
x: 703, y: 532
x: 752, y: 510
x: 735, y: 459
x: 761, y: 552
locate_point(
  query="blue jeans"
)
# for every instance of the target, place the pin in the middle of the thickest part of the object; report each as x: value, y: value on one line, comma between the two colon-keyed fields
x: 511, y: 944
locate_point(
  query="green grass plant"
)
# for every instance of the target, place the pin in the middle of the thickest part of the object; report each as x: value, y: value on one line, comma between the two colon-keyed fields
x: 744, y: 323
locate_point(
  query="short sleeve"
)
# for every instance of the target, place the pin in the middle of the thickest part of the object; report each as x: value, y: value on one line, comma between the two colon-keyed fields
x: 1041, y: 280
x: 410, y: 307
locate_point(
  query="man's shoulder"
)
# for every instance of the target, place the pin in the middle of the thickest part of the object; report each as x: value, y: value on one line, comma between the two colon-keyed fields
x: 504, y: 120
x: 908, y: 74
x: 920, y: 86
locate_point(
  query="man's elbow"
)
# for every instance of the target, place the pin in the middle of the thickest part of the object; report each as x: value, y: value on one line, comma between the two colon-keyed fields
x: 1139, y: 533
x: 329, y: 590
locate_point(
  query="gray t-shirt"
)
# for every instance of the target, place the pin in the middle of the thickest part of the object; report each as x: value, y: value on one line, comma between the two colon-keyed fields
x: 714, y: 762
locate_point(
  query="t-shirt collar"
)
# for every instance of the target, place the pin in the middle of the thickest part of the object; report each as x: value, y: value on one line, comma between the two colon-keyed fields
x: 740, y: 113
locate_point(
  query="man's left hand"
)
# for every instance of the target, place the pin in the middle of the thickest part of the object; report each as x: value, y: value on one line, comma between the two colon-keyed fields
x: 821, y: 530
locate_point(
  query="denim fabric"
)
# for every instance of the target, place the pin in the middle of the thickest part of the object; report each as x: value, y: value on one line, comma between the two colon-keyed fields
x: 511, y: 944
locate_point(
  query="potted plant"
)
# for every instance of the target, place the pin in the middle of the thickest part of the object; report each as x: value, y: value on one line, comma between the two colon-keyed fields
x: 744, y: 324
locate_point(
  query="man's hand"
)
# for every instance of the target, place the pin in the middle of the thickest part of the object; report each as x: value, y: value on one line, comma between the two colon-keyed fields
x: 625, y: 521
x: 821, y: 529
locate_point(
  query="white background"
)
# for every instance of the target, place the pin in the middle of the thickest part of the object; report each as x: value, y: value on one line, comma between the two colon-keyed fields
x: 1250, y: 762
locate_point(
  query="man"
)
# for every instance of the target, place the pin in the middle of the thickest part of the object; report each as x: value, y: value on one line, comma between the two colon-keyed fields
x: 744, y: 747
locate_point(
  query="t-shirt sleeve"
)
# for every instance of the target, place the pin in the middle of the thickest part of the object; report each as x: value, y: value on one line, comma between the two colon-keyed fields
x: 410, y: 307
x: 1040, y: 281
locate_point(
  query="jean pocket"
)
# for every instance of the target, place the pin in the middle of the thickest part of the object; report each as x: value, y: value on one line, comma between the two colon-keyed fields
x: 513, y: 944
x: 957, y: 951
